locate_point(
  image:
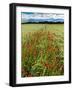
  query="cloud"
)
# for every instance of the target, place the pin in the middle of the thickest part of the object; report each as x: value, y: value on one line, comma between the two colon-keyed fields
x: 26, y: 16
x: 42, y: 15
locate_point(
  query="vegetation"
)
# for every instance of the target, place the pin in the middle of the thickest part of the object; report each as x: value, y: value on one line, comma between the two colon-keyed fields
x: 42, y: 50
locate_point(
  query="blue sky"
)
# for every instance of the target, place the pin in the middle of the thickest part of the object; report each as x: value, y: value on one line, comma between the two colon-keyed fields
x: 41, y: 17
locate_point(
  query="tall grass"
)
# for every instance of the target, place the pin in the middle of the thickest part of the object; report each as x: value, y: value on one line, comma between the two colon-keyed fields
x: 42, y: 54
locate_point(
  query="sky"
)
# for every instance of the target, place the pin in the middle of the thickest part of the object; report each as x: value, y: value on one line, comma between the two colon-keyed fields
x: 40, y: 17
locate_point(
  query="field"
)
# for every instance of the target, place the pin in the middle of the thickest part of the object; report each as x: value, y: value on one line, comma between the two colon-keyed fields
x: 42, y: 50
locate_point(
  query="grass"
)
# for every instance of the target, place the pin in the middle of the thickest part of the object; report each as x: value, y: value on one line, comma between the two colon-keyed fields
x: 42, y: 50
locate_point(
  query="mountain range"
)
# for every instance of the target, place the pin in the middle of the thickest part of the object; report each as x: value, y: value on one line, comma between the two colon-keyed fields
x: 42, y: 20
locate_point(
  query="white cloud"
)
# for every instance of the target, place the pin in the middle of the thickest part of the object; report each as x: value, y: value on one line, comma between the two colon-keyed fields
x: 42, y: 16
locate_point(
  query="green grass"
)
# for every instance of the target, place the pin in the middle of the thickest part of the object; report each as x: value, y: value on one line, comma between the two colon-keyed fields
x: 55, y: 28
x: 42, y: 49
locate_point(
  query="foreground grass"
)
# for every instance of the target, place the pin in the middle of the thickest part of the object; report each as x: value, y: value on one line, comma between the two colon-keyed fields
x: 42, y: 50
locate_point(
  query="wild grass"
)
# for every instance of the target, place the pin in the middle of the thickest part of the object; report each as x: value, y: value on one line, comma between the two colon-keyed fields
x: 42, y: 50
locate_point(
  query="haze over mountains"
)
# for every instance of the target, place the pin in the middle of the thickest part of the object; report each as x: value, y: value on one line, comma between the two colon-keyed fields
x: 30, y: 17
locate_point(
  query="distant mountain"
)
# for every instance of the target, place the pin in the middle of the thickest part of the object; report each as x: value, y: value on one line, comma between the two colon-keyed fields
x: 43, y: 20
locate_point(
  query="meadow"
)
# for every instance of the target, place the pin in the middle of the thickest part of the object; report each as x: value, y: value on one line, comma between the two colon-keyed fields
x: 42, y: 50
